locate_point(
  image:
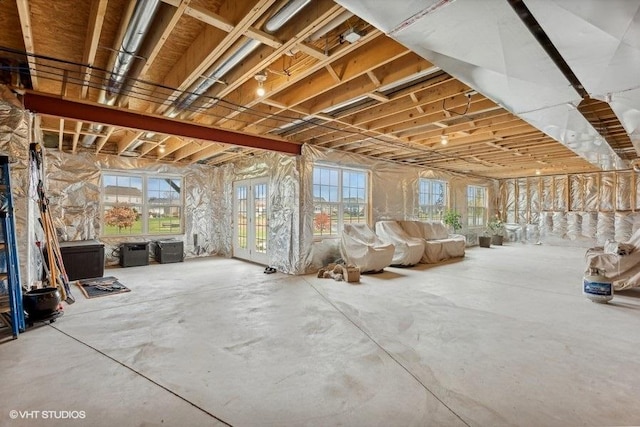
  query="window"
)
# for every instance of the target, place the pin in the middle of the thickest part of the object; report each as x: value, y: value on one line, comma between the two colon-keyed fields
x: 140, y: 204
x: 476, y: 206
x: 339, y: 197
x: 432, y: 196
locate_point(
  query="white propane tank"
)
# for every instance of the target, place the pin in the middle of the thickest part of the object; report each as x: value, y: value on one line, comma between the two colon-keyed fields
x: 596, y: 286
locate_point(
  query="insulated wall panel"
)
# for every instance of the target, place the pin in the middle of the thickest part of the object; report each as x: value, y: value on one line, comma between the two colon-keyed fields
x: 623, y: 223
x: 534, y: 196
x: 523, y: 201
x: 559, y: 228
x: 576, y: 195
x: 591, y: 192
x: 607, y: 191
x: 574, y: 225
x: 623, y: 191
x: 510, y: 200
x: 547, y: 193
x: 606, y: 227
x: 589, y: 224
x: 560, y: 194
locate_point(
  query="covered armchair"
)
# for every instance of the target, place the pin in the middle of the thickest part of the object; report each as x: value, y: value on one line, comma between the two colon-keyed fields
x: 409, y: 250
x: 618, y: 262
x: 361, y: 247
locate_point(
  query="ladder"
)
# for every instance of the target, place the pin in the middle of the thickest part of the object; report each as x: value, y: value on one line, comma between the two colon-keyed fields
x: 11, y: 309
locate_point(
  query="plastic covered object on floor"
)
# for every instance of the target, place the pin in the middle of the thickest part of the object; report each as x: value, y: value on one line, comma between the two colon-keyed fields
x: 361, y: 247
x: 439, y: 244
x: 409, y: 250
x: 617, y: 261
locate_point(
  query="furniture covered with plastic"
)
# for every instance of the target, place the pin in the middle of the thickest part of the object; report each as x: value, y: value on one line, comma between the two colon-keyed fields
x: 361, y: 247
x: 439, y: 244
x: 617, y: 261
x: 409, y: 250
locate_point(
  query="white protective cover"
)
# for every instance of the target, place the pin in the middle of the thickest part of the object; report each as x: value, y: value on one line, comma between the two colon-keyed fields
x: 409, y: 250
x: 361, y: 247
x: 439, y: 244
x: 622, y: 270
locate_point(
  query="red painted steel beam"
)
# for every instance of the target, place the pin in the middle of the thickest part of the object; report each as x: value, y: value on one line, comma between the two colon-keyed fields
x: 107, y: 115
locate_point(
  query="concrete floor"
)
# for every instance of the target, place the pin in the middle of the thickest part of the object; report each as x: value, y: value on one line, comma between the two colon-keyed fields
x: 502, y: 337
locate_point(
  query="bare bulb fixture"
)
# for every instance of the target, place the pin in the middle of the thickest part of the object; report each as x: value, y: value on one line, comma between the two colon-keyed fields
x: 261, y: 78
x: 161, y: 149
x: 444, y: 140
x: 538, y: 172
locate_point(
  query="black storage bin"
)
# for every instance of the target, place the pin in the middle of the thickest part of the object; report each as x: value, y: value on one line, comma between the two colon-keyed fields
x: 134, y: 254
x: 83, y: 259
x: 169, y: 251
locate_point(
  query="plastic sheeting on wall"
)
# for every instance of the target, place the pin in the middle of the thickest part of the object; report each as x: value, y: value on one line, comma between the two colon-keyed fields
x: 591, y: 183
x: 589, y: 224
x: 73, y: 186
x: 546, y: 223
x: 547, y: 193
x: 508, y: 193
x: 607, y: 188
x: 624, y: 182
x: 623, y: 224
x: 394, y: 195
x: 560, y: 193
x: 559, y: 228
x: 576, y: 192
x: 606, y: 227
x: 574, y: 225
x: 534, y: 197
x: 523, y: 201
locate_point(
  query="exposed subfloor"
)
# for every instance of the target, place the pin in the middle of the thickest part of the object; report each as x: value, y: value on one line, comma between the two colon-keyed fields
x: 501, y: 337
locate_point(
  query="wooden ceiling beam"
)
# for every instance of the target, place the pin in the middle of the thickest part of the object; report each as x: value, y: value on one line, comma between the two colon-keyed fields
x: 181, y: 7
x: 128, y: 140
x: 102, y: 140
x: 210, y: 46
x: 210, y: 151
x: 94, y: 29
x: 27, y: 36
x: 76, y: 137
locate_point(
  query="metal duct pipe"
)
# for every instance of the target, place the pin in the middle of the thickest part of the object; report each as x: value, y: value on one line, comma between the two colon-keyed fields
x: 330, y: 25
x: 282, y: 16
x: 137, y: 28
x: 273, y: 24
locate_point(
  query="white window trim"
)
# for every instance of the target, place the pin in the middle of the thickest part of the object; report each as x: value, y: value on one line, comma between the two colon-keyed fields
x: 446, y: 193
x: 144, y: 175
x: 486, y: 208
x: 340, y: 168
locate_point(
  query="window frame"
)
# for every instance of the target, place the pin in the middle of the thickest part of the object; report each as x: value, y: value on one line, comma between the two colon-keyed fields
x: 145, y: 205
x: 429, y: 194
x: 472, y: 209
x: 364, y: 208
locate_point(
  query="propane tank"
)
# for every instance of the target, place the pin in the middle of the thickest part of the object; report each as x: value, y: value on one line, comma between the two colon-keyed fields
x: 596, y: 286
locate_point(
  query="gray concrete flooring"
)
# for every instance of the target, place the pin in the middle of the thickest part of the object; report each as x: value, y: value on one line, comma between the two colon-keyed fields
x: 501, y: 337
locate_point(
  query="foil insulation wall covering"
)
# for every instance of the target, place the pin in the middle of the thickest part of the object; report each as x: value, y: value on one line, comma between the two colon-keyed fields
x: 73, y: 187
x: 508, y: 193
x: 607, y: 188
x: 591, y: 183
x: 624, y: 182
x: 523, y: 201
x: 576, y: 192
x: 283, y: 176
x: 574, y: 225
x: 589, y: 224
x: 636, y: 181
x: 547, y: 193
x: 15, y: 130
x: 393, y: 191
x: 601, y: 206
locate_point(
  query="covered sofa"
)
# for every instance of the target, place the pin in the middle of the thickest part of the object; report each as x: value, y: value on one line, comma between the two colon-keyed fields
x: 408, y: 250
x: 617, y: 261
x: 439, y: 244
x: 360, y: 246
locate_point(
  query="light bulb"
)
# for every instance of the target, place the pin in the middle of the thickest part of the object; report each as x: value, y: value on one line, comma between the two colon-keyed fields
x: 538, y: 172
x: 161, y: 149
x: 260, y: 91
x: 444, y: 140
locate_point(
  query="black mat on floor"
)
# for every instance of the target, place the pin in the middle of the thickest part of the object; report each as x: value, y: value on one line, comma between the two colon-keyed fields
x: 101, y: 286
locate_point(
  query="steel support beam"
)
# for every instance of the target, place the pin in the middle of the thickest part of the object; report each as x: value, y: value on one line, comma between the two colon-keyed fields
x: 106, y: 115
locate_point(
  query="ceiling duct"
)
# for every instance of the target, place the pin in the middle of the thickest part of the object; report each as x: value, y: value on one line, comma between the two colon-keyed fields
x: 137, y: 28
x: 215, y: 74
x: 608, y: 69
x: 487, y: 46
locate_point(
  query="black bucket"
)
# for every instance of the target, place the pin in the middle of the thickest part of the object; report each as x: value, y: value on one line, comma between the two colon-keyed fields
x: 41, y: 303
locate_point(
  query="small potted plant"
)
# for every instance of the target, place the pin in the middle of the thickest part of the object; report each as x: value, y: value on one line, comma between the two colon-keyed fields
x: 497, y: 230
x: 453, y: 220
x: 484, y: 241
